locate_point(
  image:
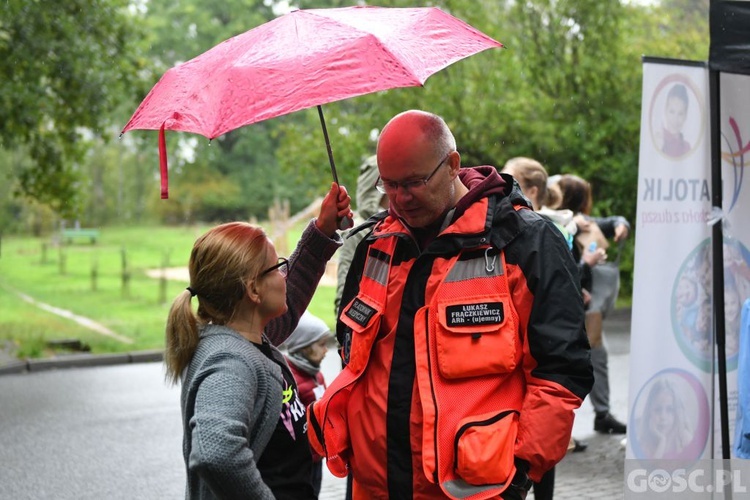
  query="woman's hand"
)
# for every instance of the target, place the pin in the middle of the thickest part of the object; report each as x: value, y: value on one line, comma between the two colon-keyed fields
x: 582, y: 222
x: 592, y: 258
x: 336, y: 205
x: 621, y: 232
x: 586, y: 299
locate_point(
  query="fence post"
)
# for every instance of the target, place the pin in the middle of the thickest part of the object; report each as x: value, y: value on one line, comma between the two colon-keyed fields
x: 61, y: 261
x: 163, y: 277
x: 125, y: 273
x: 94, y: 272
x: 278, y: 218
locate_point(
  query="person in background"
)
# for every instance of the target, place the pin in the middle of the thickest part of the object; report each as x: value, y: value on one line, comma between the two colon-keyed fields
x: 463, y: 314
x: 533, y: 179
x: 605, y: 286
x: 244, y: 426
x: 368, y: 201
x: 306, y: 347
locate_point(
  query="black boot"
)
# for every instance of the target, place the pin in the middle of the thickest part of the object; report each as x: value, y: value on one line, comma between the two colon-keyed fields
x: 579, y: 446
x: 607, y: 424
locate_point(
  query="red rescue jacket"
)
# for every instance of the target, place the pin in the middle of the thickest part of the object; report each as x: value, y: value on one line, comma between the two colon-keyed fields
x: 463, y: 356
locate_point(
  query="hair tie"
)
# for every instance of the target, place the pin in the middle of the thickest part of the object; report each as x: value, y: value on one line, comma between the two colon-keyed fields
x: 193, y: 293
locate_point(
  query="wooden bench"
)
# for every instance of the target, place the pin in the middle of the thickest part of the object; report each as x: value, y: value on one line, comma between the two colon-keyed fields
x: 69, y: 235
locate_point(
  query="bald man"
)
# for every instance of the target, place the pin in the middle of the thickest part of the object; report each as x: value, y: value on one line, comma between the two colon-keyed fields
x: 462, y: 327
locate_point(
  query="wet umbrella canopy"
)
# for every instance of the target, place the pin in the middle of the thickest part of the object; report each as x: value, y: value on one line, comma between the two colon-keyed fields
x: 303, y: 59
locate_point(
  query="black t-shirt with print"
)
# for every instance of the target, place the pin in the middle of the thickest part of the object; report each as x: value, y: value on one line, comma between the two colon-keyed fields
x: 286, y: 463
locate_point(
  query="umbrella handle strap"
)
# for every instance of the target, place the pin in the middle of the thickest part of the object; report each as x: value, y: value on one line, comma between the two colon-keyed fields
x: 163, y: 163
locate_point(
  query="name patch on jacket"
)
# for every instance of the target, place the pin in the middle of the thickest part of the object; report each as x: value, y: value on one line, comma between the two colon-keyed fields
x: 486, y: 313
x: 359, y: 312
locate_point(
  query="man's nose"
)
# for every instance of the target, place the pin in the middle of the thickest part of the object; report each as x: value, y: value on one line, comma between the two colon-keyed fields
x: 402, y: 194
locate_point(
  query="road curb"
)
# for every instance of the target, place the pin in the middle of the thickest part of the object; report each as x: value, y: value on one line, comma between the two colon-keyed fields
x: 79, y: 361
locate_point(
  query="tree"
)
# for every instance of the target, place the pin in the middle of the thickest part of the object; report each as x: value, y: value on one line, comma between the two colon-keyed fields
x: 566, y: 90
x: 66, y: 65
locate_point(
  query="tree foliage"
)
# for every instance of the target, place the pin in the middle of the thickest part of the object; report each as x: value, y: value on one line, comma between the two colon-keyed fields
x: 566, y: 90
x: 65, y: 66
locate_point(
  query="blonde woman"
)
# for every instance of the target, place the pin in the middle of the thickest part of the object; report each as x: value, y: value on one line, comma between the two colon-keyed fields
x: 243, y: 423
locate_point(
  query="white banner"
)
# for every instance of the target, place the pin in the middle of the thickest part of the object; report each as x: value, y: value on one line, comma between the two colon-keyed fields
x: 672, y: 393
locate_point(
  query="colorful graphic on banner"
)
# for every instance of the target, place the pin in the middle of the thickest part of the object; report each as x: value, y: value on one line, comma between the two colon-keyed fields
x: 676, y: 116
x: 691, y: 306
x: 670, y: 418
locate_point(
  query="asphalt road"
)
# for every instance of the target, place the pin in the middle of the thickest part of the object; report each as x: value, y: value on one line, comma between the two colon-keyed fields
x: 106, y: 432
x: 90, y: 433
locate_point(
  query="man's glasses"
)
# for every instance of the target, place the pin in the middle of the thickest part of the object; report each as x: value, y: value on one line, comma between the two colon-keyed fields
x: 387, y: 187
x: 282, y: 265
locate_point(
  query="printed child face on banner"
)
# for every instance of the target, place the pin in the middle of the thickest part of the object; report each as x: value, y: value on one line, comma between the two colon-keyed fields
x: 670, y: 417
x: 675, y: 111
x: 691, y: 302
x: 676, y: 116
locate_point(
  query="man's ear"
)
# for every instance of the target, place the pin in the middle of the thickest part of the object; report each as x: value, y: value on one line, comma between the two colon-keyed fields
x: 454, y: 160
x: 252, y: 291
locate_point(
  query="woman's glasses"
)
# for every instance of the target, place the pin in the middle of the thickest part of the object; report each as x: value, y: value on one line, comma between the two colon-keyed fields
x: 282, y: 265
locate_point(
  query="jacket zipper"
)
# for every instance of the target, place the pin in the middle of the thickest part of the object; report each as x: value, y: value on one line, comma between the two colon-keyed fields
x: 432, y: 394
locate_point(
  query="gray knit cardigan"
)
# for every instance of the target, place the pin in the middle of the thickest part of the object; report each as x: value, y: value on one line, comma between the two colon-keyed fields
x: 231, y: 392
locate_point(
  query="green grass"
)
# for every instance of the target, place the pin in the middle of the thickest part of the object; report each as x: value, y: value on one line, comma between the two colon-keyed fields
x: 61, y: 277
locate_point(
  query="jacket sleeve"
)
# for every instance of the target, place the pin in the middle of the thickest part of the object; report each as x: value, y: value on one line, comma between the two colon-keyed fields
x: 608, y: 224
x: 305, y: 384
x: 556, y: 359
x: 306, y: 266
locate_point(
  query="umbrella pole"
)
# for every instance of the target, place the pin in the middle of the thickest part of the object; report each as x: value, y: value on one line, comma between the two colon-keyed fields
x: 328, y: 144
x: 346, y: 222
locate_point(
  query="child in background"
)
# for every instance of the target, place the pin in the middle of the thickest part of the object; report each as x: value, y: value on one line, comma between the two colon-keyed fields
x: 306, y: 348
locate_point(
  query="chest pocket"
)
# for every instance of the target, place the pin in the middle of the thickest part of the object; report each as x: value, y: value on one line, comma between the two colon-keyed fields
x: 475, y: 330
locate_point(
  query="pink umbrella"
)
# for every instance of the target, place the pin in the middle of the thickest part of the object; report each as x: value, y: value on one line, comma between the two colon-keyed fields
x: 302, y: 59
